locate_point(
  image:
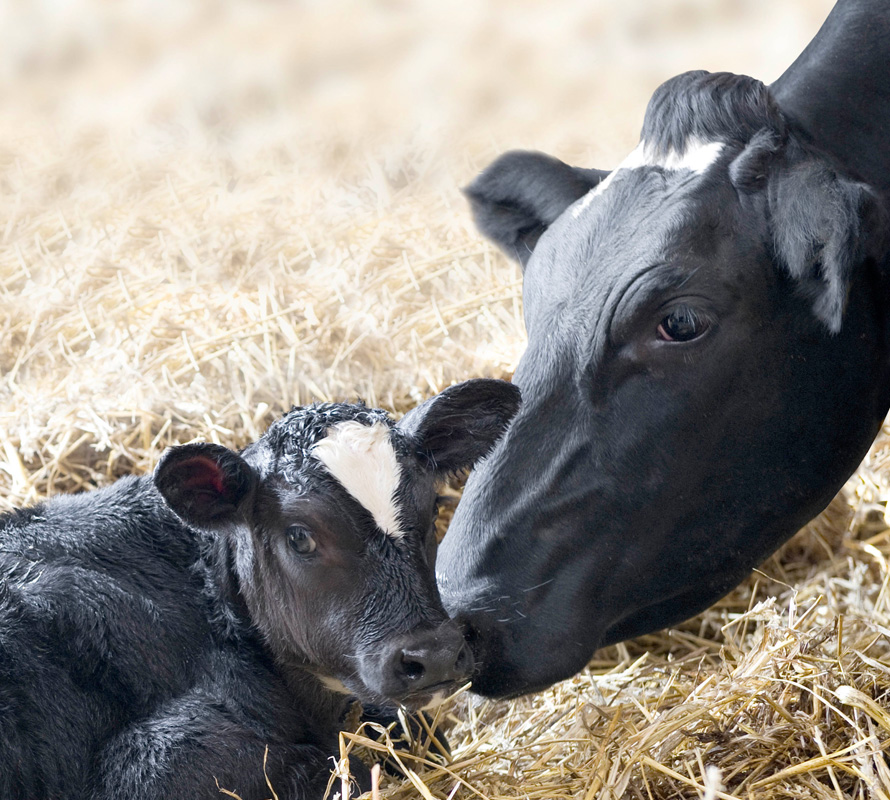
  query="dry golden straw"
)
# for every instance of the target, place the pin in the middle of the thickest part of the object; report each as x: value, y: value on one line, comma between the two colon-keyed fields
x: 210, y: 212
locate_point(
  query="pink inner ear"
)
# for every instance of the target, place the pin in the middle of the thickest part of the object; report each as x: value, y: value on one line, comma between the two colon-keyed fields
x: 202, y: 474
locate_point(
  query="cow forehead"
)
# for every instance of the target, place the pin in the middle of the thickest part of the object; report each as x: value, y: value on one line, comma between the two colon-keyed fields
x: 585, y: 263
x: 628, y: 222
x: 696, y: 156
x: 579, y: 262
x: 363, y: 460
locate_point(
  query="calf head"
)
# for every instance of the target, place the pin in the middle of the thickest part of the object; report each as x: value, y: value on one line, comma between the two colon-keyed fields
x: 327, y: 530
x: 707, y: 364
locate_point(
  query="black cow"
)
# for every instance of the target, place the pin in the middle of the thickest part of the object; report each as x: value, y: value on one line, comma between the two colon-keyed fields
x: 158, y: 635
x: 707, y: 362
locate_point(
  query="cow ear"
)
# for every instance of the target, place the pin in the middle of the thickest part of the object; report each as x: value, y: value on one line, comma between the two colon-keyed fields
x: 750, y: 169
x: 821, y: 223
x: 204, y: 484
x: 457, y: 427
x: 517, y: 197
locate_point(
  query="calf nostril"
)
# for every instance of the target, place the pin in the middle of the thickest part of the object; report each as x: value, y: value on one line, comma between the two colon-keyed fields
x: 411, y: 669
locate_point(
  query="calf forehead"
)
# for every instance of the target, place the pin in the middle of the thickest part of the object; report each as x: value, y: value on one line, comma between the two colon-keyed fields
x: 363, y: 460
x: 349, y: 444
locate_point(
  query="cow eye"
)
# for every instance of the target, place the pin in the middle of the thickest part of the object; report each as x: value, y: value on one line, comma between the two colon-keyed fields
x: 683, y: 324
x: 300, y: 540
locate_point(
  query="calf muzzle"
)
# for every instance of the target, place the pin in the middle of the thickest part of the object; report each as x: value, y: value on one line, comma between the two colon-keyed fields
x: 413, y: 667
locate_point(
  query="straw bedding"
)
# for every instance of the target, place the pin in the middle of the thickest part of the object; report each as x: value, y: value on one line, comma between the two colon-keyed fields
x: 211, y: 212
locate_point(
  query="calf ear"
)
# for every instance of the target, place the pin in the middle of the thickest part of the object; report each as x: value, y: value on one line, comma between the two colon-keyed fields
x: 456, y: 428
x: 517, y: 197
x: 204, y: 484
x: 821, y: 223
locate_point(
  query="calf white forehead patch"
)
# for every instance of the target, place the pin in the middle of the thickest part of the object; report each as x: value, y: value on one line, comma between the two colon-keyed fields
x: 362, y: 459
x: 697, y: 156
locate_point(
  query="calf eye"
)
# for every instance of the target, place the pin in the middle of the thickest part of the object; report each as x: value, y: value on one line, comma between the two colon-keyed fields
x: 683, y: 324
x: 300, y: 540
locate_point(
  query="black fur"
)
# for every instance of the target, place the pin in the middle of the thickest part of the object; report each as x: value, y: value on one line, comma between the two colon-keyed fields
x: 517, y: 197
x: 813, y: 212
x: 157, y: 636
x: 288, y: 441
x: 709, y: 107
x: 648, y: 473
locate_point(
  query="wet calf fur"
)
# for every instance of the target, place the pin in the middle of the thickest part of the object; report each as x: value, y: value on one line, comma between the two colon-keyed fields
x: 158, y: 635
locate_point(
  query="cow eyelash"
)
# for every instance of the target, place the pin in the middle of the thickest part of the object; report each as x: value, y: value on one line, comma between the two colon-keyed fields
x: 682, y: 324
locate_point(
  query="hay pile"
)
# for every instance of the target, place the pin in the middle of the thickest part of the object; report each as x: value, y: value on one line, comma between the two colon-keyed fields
x: 210, y: 212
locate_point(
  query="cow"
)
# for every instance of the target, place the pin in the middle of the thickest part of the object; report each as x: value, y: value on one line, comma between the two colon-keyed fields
x: 178, y: 632
x: 709, y: 332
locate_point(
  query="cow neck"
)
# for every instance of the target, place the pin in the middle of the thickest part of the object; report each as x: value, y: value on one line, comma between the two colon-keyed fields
x: 835, y: 92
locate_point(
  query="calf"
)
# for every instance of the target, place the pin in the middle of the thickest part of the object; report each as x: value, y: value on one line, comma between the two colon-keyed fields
x: 158, y: 635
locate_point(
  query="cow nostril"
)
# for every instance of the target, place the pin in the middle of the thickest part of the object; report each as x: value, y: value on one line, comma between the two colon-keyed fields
x: 463, y: 665
x: 411, y: 669
x: 469, y: 632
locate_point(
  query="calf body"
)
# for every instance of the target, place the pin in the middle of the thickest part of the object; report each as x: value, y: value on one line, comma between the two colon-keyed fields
x: 157, y: 636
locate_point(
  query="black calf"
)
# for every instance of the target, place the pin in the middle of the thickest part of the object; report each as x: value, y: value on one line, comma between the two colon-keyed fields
x: 158, y: 635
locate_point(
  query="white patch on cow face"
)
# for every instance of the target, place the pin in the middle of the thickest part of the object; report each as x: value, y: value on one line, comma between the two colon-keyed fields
x: 362, y: 459
x: 697, y: 156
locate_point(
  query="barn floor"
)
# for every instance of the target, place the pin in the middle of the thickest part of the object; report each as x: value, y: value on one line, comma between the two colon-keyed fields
x: 209, y: 212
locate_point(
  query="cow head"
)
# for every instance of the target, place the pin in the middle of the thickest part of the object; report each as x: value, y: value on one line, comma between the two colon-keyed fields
x: 326, y: 529
x: 707, y: 364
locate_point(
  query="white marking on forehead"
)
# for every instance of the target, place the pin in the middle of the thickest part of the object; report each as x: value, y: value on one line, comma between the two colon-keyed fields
x: 362, y: 459
x: 697, y: 156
